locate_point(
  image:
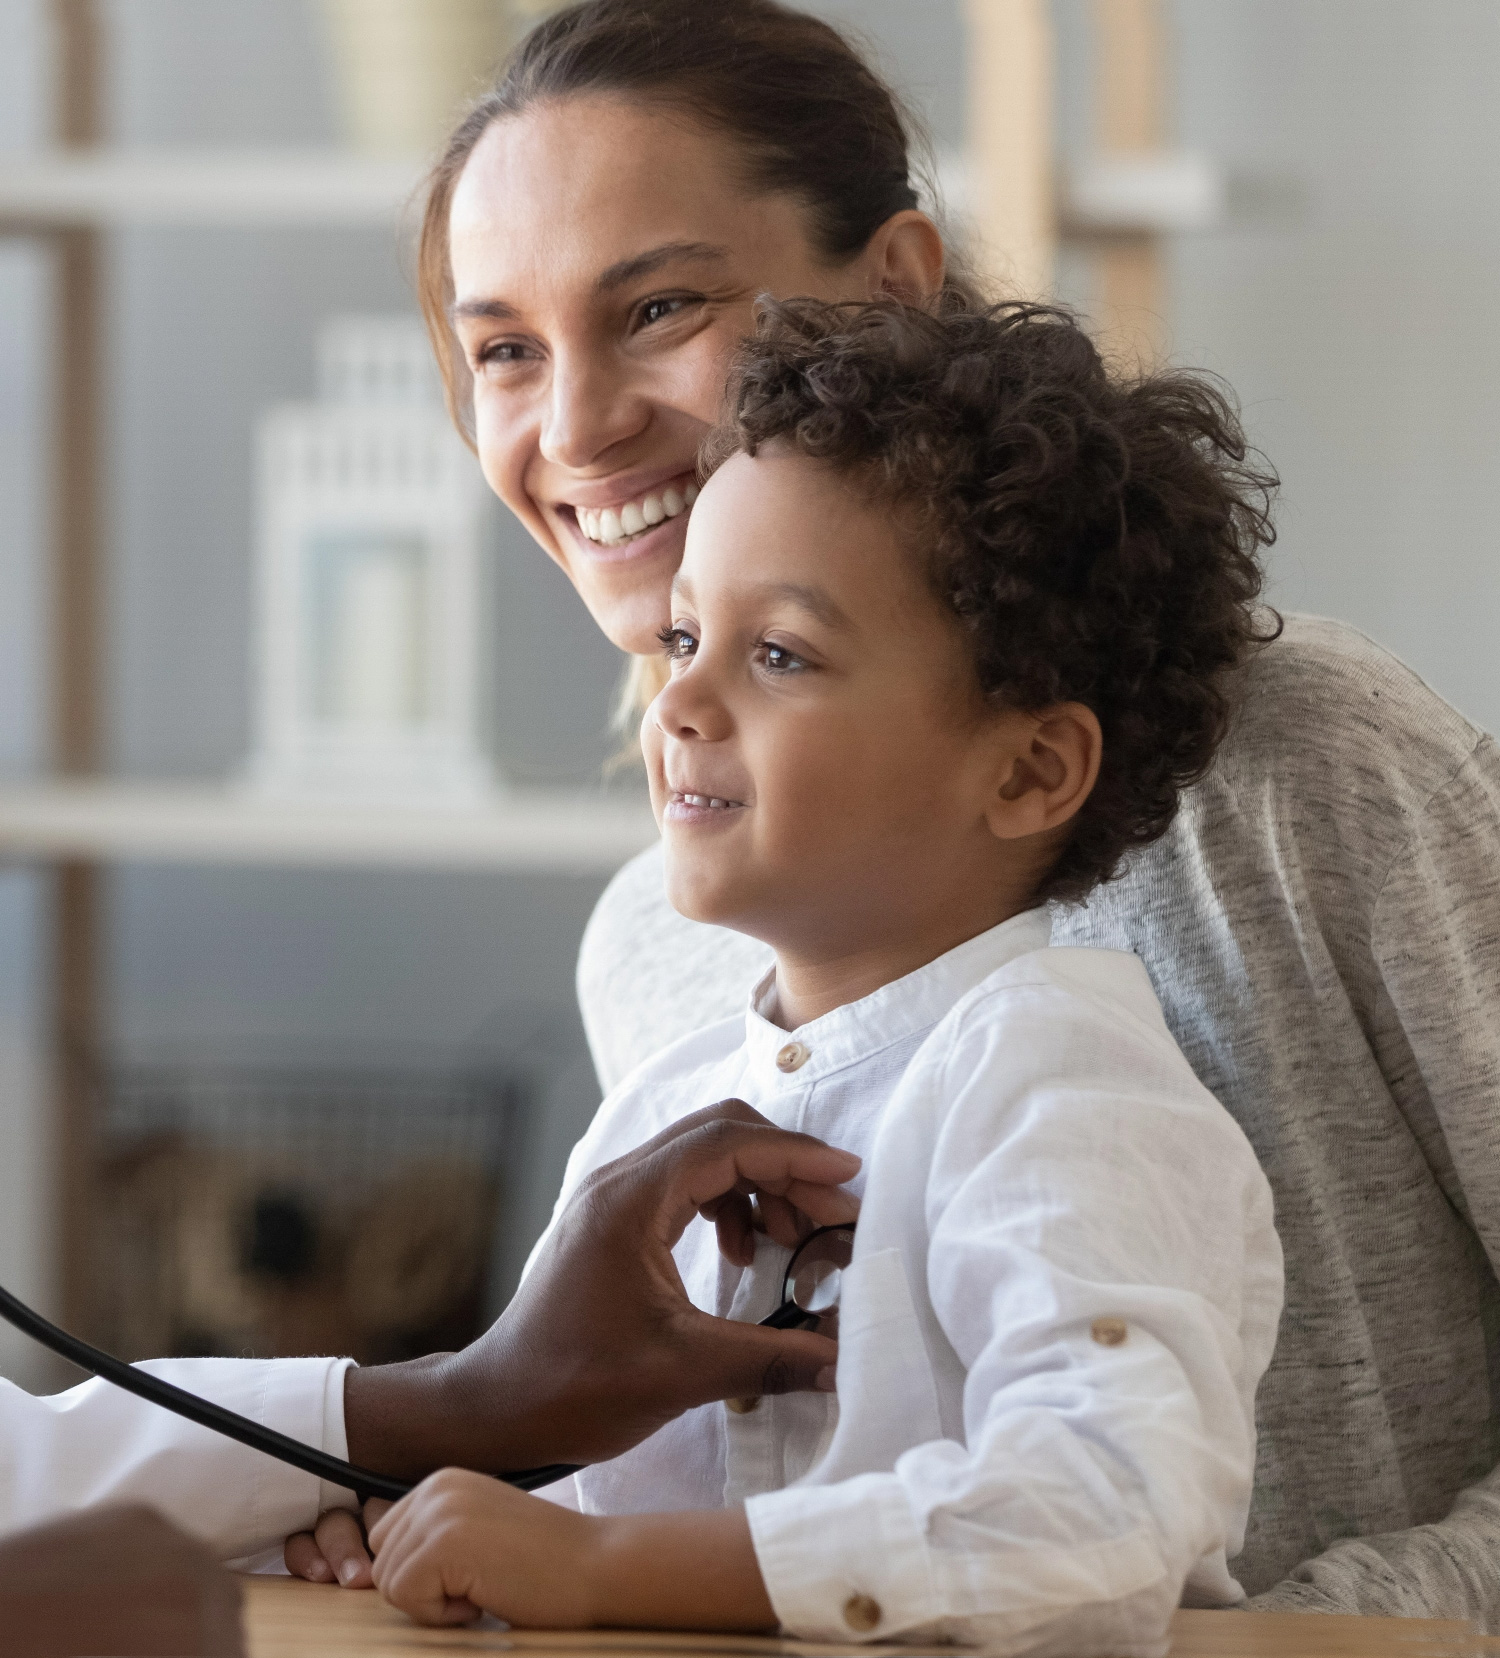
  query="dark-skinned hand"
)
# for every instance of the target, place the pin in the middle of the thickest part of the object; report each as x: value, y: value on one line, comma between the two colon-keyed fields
x: 117, y: 1580
x: 600, y: 1346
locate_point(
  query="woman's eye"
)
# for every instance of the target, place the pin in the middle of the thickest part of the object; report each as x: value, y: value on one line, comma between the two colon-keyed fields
x: 501, y: 351
x: 658, y: 310
x: 677, y: 643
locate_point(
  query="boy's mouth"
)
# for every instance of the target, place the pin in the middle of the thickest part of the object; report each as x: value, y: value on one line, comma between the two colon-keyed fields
x: 615, y: 525
x: 685, y: 806
x: 711, y: 801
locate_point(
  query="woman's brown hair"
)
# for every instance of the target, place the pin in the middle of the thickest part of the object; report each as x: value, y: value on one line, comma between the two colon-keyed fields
x: 808, y: 117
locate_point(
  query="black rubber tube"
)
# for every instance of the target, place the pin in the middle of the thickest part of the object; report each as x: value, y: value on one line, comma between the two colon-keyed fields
x: 364, y: 1482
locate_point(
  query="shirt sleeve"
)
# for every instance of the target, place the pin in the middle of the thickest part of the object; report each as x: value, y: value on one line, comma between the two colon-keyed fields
x: 97, y: 1444
x: 1436, y: 938
x: 1102, y: 1260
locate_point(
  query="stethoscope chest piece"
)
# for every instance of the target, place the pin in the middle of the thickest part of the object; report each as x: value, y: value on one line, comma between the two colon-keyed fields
x: 813, y: 1282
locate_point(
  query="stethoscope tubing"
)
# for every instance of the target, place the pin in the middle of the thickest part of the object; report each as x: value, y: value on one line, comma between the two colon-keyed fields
x: 364, y: 1482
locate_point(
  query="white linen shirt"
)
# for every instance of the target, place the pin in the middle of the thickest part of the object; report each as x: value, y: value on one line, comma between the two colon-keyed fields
x: 1042, y: 1170
x: 97, y: 1444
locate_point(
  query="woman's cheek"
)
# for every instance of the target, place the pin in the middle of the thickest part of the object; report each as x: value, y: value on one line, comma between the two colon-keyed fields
x: 503, y: 453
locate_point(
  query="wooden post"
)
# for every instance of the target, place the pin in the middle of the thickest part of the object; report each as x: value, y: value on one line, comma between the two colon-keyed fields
x: 1010, y: 143
x: 75, y: 660
x: 1131, y: 99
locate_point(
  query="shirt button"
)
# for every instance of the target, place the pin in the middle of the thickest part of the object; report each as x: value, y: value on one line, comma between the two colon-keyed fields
x: 1109, y: 1332
x: 792, y: 1057
x: 861, y: 1613
x: 742, y: 1407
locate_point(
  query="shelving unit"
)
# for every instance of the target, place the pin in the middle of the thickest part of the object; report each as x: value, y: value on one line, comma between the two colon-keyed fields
x: 112, y: 188
x: 538, y: 832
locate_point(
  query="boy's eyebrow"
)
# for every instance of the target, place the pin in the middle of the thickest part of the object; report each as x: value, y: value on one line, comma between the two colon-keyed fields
x: 613, y: 276
x: 814, y: 600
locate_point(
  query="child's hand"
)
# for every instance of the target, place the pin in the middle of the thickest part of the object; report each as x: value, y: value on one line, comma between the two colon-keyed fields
x: 335, y: 1550
x: 462, y: 1544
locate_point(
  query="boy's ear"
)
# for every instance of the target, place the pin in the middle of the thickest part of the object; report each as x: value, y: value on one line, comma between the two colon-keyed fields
x: 1049, y: 768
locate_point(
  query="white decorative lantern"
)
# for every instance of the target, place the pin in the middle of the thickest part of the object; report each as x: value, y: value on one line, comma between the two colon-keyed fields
x: 368, y: 581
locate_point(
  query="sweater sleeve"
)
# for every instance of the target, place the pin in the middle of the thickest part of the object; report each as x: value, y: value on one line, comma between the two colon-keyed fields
x: 1436, y: 939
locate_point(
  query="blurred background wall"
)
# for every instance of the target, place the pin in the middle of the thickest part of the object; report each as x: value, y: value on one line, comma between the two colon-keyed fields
x: 1348, y: 296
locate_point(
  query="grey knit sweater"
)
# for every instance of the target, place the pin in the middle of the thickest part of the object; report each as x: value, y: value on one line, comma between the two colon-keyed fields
x: 1322, y: 924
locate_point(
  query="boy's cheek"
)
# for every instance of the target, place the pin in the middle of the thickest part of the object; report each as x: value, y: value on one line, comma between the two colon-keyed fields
x: 652, y: 752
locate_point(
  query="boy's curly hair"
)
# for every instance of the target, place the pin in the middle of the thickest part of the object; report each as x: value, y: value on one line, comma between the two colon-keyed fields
x: 1099, y: 537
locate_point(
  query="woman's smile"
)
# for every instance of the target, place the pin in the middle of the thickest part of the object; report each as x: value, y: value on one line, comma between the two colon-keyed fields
x: 616, y: 519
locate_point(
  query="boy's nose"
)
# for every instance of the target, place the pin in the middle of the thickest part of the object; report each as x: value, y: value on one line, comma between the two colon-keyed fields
x: 687, y: 710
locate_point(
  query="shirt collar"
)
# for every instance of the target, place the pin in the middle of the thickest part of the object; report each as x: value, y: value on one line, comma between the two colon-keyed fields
x: 895, y: 1011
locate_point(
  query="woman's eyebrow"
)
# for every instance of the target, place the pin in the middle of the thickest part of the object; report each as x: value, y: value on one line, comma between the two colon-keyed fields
x: 613, y: 276
x: 643, y: 264
x: 496, y: 309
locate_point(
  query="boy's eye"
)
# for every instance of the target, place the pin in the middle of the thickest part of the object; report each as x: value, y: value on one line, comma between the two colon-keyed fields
x: 678, y: 643
x: 779, y: 660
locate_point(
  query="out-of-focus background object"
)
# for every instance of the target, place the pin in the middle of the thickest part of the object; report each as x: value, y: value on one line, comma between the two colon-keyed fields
x: 299, y: 1212
x: 192, y: 193
x: 367, y: 579
x: 404, y: 68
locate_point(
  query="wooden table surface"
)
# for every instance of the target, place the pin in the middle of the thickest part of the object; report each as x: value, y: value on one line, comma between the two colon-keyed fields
x: 286, y: 1618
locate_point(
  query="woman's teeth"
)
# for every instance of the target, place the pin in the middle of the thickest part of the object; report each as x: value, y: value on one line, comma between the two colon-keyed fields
x: 609, y: 526
x: 711, y: 801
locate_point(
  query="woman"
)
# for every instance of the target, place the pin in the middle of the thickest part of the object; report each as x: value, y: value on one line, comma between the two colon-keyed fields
x: 1321, y: 922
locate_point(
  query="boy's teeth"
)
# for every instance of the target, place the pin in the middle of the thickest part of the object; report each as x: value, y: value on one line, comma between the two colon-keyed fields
x: 611, y: 525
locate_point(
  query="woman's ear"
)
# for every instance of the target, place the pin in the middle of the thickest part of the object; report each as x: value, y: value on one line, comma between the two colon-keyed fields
x: 905, y: 258
x: 1050, y: 767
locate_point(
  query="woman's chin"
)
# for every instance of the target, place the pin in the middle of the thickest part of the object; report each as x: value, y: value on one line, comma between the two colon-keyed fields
x: 628, y: 588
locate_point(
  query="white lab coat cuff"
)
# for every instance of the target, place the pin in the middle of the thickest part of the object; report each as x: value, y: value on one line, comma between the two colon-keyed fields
x: 844, y: 1562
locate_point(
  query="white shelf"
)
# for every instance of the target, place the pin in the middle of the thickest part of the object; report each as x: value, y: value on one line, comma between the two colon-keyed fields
x: 540, y: 831
x: 1155, y: 193
x: 206, y: 187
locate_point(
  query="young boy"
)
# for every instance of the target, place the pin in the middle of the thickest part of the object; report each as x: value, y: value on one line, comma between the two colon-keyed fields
x: 950, y: 634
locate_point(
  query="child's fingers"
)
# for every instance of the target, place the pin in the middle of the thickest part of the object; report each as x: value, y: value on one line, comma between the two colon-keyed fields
x: 342, y: 1544
x: 305, y: 1559
x: 409, y: 1574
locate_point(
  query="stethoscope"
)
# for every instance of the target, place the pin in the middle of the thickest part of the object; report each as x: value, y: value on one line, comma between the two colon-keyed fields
x: 809, y: 1298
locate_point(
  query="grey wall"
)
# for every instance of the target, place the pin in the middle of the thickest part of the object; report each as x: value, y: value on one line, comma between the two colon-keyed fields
x: 1351, y: 300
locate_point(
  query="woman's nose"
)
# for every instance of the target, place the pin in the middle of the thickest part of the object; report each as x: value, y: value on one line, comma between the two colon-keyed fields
x: 592, y: 408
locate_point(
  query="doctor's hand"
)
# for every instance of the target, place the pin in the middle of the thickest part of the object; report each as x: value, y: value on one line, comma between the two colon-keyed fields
x: 601, y: 1346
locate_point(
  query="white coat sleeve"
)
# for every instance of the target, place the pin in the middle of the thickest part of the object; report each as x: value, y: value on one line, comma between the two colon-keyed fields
x: 96, y: 1444
x: 1094, y: 1239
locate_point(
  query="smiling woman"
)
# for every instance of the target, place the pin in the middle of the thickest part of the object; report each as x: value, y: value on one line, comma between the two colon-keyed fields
x: 655, y: 181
